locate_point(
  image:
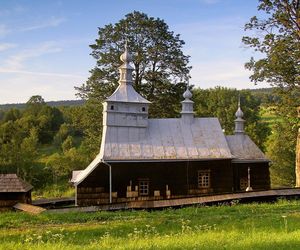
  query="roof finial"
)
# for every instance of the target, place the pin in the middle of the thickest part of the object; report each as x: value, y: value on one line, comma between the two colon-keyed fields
x: 187, y: 95
x: 239, y: 113
x: 187, y: 112
x: 126, y: 69
x: 239, y: 121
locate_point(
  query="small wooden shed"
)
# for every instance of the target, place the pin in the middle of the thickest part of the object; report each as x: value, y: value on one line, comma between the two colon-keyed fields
x: 13, y: 190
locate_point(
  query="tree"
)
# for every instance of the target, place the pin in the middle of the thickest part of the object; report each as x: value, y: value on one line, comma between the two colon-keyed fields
x: 279, y: 43
x: 34, y: 104
x: 12, y: 115
x: 222, y: 103
x: 67, y: 144
x: 159, y: 64
x: 28, y: 152
x: 281, y: 150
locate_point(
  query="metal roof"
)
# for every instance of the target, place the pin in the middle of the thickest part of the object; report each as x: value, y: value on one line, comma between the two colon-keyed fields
x: 164, y: 139
x: 126, y: 93
x: 244, y: 149
x: 11, y: 183
x: 170, y: 139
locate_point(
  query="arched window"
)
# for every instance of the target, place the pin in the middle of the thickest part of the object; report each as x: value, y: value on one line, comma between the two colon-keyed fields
x: 143, y: 109
x: 112, y: 107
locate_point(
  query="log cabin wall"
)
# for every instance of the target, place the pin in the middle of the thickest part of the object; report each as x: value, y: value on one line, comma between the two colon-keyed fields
x: 221, y: 175
x: 259, y: 175
x: 180, y: 177
x: 8, y: 200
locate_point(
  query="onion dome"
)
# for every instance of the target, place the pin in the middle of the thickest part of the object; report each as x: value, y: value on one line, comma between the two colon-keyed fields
x: 239, y: 113
x: 187, y: 94
x: 187, y: 112
x: 239, y: 121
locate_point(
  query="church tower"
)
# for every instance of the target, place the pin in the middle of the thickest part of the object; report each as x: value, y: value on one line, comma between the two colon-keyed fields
x: 125, y: 107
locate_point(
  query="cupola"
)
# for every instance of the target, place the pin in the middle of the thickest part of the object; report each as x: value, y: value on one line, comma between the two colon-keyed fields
x: 125, y: 107
x: 239, y: 121
x: 187, y: 112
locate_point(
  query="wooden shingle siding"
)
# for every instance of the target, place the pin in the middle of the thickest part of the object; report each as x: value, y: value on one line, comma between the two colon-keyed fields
x: 13, y: 190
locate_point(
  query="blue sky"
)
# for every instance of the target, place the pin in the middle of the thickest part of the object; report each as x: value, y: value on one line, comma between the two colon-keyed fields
x: 44, y: 45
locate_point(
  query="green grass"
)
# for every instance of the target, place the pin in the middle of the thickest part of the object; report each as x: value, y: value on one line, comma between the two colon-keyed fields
x: 61, y: 189
x: 252, y: 226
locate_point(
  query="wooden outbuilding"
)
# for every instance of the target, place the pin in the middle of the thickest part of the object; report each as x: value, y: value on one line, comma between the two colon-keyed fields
x: 153, y: 159
x: 13, y: 190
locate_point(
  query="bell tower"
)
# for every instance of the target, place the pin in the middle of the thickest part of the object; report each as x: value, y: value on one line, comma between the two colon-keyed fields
x: 125, y: 107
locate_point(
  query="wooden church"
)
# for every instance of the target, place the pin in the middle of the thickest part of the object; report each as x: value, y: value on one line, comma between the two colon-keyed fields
x: 151, y: 159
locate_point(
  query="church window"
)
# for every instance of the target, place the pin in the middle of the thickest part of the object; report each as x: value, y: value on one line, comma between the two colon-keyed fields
x: 112, y: 107
x: 144, y: 187
x: 203, y: 178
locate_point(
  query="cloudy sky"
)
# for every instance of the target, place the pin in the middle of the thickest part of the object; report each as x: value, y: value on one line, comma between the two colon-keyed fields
x: 44, y: 45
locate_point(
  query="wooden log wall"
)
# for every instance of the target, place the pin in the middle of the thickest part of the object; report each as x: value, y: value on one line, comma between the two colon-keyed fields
x: 259, y: 174
x: 8, y: 200
x: 179, y: 177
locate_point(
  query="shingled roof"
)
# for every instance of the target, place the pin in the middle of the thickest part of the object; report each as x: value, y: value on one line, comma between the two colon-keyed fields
x: 11, y: 183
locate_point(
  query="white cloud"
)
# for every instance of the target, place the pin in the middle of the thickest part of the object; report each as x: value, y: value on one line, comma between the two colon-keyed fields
x: 16, y: 61
x: 26, y: 72
x: 227, y: 73
x: 52, y: 22
x: 49, y: 85
x: 18, y: 78
x: 6, y: 46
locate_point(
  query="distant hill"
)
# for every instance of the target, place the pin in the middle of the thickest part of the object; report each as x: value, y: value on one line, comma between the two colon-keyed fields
x: 51, y: 103
x: 257, y: 92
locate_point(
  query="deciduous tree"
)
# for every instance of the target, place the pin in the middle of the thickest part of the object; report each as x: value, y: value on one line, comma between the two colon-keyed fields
x: 159, y: 64
x: 277, y: 38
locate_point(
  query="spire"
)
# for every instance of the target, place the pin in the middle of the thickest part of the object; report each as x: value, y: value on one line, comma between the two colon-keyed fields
x: 239, y: 121
x: 187, y: 113
x: 125, y: 91
x: 125, y: 69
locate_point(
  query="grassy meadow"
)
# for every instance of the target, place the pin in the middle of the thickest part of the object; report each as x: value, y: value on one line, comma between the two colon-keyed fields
x: 239, y: 226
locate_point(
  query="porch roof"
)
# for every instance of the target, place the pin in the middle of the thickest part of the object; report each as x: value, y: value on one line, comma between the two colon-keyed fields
x: 244, y: 149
